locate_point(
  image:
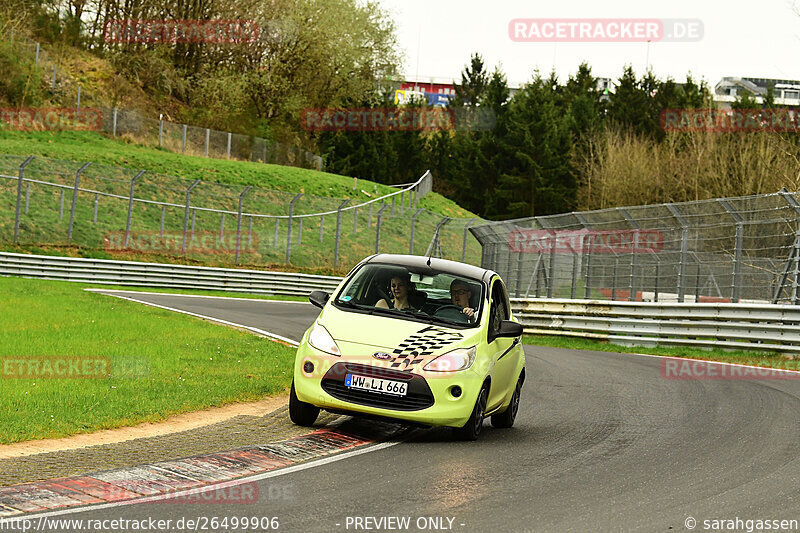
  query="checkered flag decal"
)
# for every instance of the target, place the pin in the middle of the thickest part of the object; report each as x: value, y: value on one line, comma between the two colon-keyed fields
x: 424, y: 342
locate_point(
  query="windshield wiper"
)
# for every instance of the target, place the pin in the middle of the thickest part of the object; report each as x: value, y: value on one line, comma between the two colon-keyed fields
x: 353, y: 305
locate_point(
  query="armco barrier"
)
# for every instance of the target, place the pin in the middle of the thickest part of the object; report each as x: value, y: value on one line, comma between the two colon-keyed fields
x: 740, y: 326
x: 745, y: 326
x: 163, y: 275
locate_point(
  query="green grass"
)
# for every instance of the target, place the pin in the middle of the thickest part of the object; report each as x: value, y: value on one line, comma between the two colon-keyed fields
x: 765, y: 359
x: 161, y: 363
x: 98, y: 148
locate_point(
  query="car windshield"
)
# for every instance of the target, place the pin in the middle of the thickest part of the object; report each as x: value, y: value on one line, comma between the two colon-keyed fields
x: 429, y: 296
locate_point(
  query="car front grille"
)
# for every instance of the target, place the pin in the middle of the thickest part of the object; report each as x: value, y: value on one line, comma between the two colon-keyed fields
x: 419, y: 395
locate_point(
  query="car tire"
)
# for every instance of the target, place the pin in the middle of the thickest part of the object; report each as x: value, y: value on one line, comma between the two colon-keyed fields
x: 507, y: 417
x: 301, y: 413
x: 472, y: 428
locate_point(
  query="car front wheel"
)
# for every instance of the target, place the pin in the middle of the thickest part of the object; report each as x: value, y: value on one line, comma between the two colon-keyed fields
x: 301, y: 413
x: 472, y: 428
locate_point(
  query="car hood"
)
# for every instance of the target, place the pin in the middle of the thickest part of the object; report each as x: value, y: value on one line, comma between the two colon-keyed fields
x: 406, y: 343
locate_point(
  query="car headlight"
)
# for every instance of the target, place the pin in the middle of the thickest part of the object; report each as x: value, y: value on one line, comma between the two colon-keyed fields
x: 320, y: 339
x: 460, y: 359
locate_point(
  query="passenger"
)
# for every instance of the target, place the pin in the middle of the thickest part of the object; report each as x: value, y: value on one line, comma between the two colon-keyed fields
x: 460, y: 295
x: 400, y: 288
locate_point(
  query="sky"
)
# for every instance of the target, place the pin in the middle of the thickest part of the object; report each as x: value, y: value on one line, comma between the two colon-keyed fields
x: 754, y: 39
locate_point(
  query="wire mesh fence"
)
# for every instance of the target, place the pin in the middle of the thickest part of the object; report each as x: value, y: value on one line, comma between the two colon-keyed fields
x: 126, y: 213
x: 721, y: 250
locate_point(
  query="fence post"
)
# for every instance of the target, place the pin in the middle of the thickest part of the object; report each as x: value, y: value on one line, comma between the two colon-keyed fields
x: 321, y: 226
x: 737, y: 251
x: 61, y: 204
x: 551, y: 279
x: 239, y: 223
x: 54, y: 77
x: 585, y: 256
x: 183, y: 139
x: 464, y: 244
x: 186, y: 213
x: 338, y: 232
x: 78, y: 108
x: 413, y: 224
x: 684, y: 249
x: 229, y: 145
x: 36, y: 62
x: 208, y: 137
x: 275, y: 241
x: 160, y: 129
x: 27, y: 196
x: 289, y: 234
x: 75, y: 199
x: 378, y: 227
x: 130, y: 207
x: 793, y: 256
x: 402, y: 192
x: 518, y: 281
x: 635, y: 225
x: 299, y: 231
x: 19, y: 197
x: 114, y: 125
x: 96, y: 202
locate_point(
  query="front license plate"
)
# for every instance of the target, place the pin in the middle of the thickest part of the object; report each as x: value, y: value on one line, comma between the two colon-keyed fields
x: 384, y: 386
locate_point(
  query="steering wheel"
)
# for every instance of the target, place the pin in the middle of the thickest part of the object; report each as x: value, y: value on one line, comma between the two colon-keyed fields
x: 451, y: 312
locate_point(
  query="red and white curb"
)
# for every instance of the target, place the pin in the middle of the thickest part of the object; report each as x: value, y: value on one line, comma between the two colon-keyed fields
x: 178, y: 478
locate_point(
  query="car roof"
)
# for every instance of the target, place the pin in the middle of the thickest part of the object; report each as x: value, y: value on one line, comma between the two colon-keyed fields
x: 420, y: 264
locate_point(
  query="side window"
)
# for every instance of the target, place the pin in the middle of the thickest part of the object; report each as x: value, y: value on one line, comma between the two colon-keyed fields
x: 499, y: 310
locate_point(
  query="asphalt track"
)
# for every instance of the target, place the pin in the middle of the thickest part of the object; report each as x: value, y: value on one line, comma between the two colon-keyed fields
x: 602, y: 443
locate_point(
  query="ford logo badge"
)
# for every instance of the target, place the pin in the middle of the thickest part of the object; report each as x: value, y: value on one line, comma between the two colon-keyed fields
x: 383, y: 356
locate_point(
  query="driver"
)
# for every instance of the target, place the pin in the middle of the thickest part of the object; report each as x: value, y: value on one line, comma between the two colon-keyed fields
x: 460, y: 294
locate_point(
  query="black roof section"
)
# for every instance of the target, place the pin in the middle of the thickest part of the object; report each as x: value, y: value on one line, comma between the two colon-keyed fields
x: 420, y: 264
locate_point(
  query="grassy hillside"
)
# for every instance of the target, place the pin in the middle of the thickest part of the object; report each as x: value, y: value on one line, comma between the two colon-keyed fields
x: 44, y: 228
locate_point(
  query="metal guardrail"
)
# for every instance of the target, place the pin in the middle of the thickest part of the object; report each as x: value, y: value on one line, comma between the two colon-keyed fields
x: 135, y: 273
x: 703, y: 325
x: 739, y: 326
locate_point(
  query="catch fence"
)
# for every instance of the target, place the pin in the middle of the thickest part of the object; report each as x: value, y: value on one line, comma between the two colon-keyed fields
x: 744, y: 249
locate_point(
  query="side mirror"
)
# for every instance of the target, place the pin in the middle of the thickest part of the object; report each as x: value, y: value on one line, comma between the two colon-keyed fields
x: 509, y: 328
x: 319, y: 298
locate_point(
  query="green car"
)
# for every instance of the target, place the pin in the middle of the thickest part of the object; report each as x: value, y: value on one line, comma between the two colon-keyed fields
x: 421, y: 340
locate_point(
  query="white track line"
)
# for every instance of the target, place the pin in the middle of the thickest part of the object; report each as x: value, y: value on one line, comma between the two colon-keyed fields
x: 270, y: 335
x: 199, y: 296
x: 258, y: 477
